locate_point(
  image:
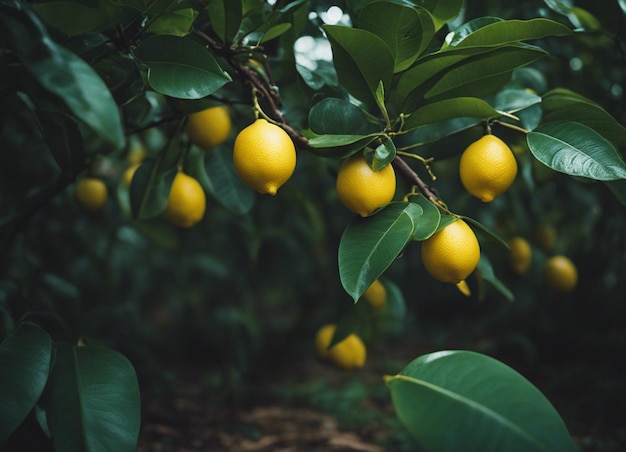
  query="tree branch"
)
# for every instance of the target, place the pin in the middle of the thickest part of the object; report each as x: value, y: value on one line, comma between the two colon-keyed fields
x: 411, y: 176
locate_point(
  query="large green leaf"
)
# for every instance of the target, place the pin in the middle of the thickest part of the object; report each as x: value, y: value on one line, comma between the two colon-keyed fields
x: 575, y: 149
x: 430, y: 219
x: 406, y: 30
x: 340, y: 146
x: 361, y: 60
x: 510, y: 31
x: 468, y: 107
x: 337, y: 117
x: 93, y: 400
x: 226, y: 16
x: 461, y: 32
x: 24, y: 366
x: 460, y: 400
x: 177, y: 22
x: 60, y: 71
x: 181, y: 67
x: 513, y: 100
x: 564, y: 105
x: 369, y: 245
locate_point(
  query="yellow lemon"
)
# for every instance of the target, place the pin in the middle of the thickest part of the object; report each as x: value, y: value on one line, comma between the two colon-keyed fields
x: 348, y: 354
x: 363, y: 190
x: 376, y: 294
x: 129, y: 173
x: 186, y: 202
x: 520, y: 256
x: 264, y: 156
x: 209, y: 128
x: 560, y: 274
x: 487, y: 168
x: 452, y: 253
x: 91, y: 193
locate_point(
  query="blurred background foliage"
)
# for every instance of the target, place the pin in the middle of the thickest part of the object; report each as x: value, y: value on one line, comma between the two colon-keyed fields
x: 241, y: 295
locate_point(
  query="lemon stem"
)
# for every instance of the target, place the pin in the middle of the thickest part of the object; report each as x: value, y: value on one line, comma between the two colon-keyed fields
x: 425, y: 162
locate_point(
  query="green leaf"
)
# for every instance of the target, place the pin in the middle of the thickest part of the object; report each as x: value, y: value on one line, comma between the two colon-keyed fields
x: 442, y: 10
x: 361, y: 60
x: 406, y: 30
x: 176, y: 23
x: 618, y: 187
x: 275, y: 31
x: 457, y: 107
x: 514, y: 100
x: 222, y: 181
x: 63, y: 138
x: 369, y: 245
x: 455, y: 37
x: 381, y: 155
x: 226, y: 16
x: 428, y: 223
x: 93, y: 401
x: 337, y: 117
x: 487, y: 274
x: 73, y: 18
x: 510, y: 31
x: 24, y: 366
x: 61, y: 72
x: 340, y: 146
x: 181, y: 67
x: 461, y: 400
x: 486, y: 231
x: 564, y: 105
x: 575, y: 149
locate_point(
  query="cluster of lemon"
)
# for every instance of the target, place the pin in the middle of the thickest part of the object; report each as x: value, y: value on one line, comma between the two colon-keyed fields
x: 559, y: 272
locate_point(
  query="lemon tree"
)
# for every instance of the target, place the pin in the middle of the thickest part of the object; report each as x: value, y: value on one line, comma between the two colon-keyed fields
x: 400, y: 142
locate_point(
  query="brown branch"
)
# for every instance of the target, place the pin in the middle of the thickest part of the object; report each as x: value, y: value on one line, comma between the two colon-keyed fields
x: 411, y: 176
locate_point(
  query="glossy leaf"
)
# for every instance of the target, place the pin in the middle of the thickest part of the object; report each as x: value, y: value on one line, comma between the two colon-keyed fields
x: 93, y: 400
x: 406, y: 30
x: 176, y: 23
x: 435, y: 132
x: 575, y: 149
x: 361, y: 60
x: 340, y: 146
x: 461, y: 400
x: 442, y: 10
x: 514, y: 100
x: 381, y: 155
x: 226, y: 16
x: 487, y: 274
x: 455, y: 37
x: 275, y: 31
x: 61, y: 72
x: 337, y: 117
x: 369, y: 245
x: 224, y: 183
x: 430, y: 219
x: 564, y: 105
x: 180, y: 67
x: 25, y: 363
x: 510, y: 31
x: 444, y: 110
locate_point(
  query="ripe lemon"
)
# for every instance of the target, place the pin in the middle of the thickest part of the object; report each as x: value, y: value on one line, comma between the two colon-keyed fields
x: 560, y: 274
x: 186, y: 202
x: 487, y: 168
x: 129, y: 173
x: 209, y: 128
x: 520, y: 256
x: 348, y: 354
x: 376, y: 295
x: 264, y: 156
x: 363, y: 190
x: 91, y: 193
x: 451, y: 253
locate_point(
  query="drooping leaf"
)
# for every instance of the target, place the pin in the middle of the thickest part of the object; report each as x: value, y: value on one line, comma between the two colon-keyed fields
x: 468, y: 107
x: 24, y: 366
x: 226, y: 16
x: 510, y: 31
x: 181, y: 67
x: 380, y: 155
x: 442, y: 10
x: 564, y: 105
x: 406, y: 30
x: 430, y: 219
x: 337, y: 117
x: 61, y: 72
x: 487, y: 274
x: 369, y: 245
x: 93, y: 401
x: 461, y: 400
x: 361, y: 60
x: 575, y: 149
